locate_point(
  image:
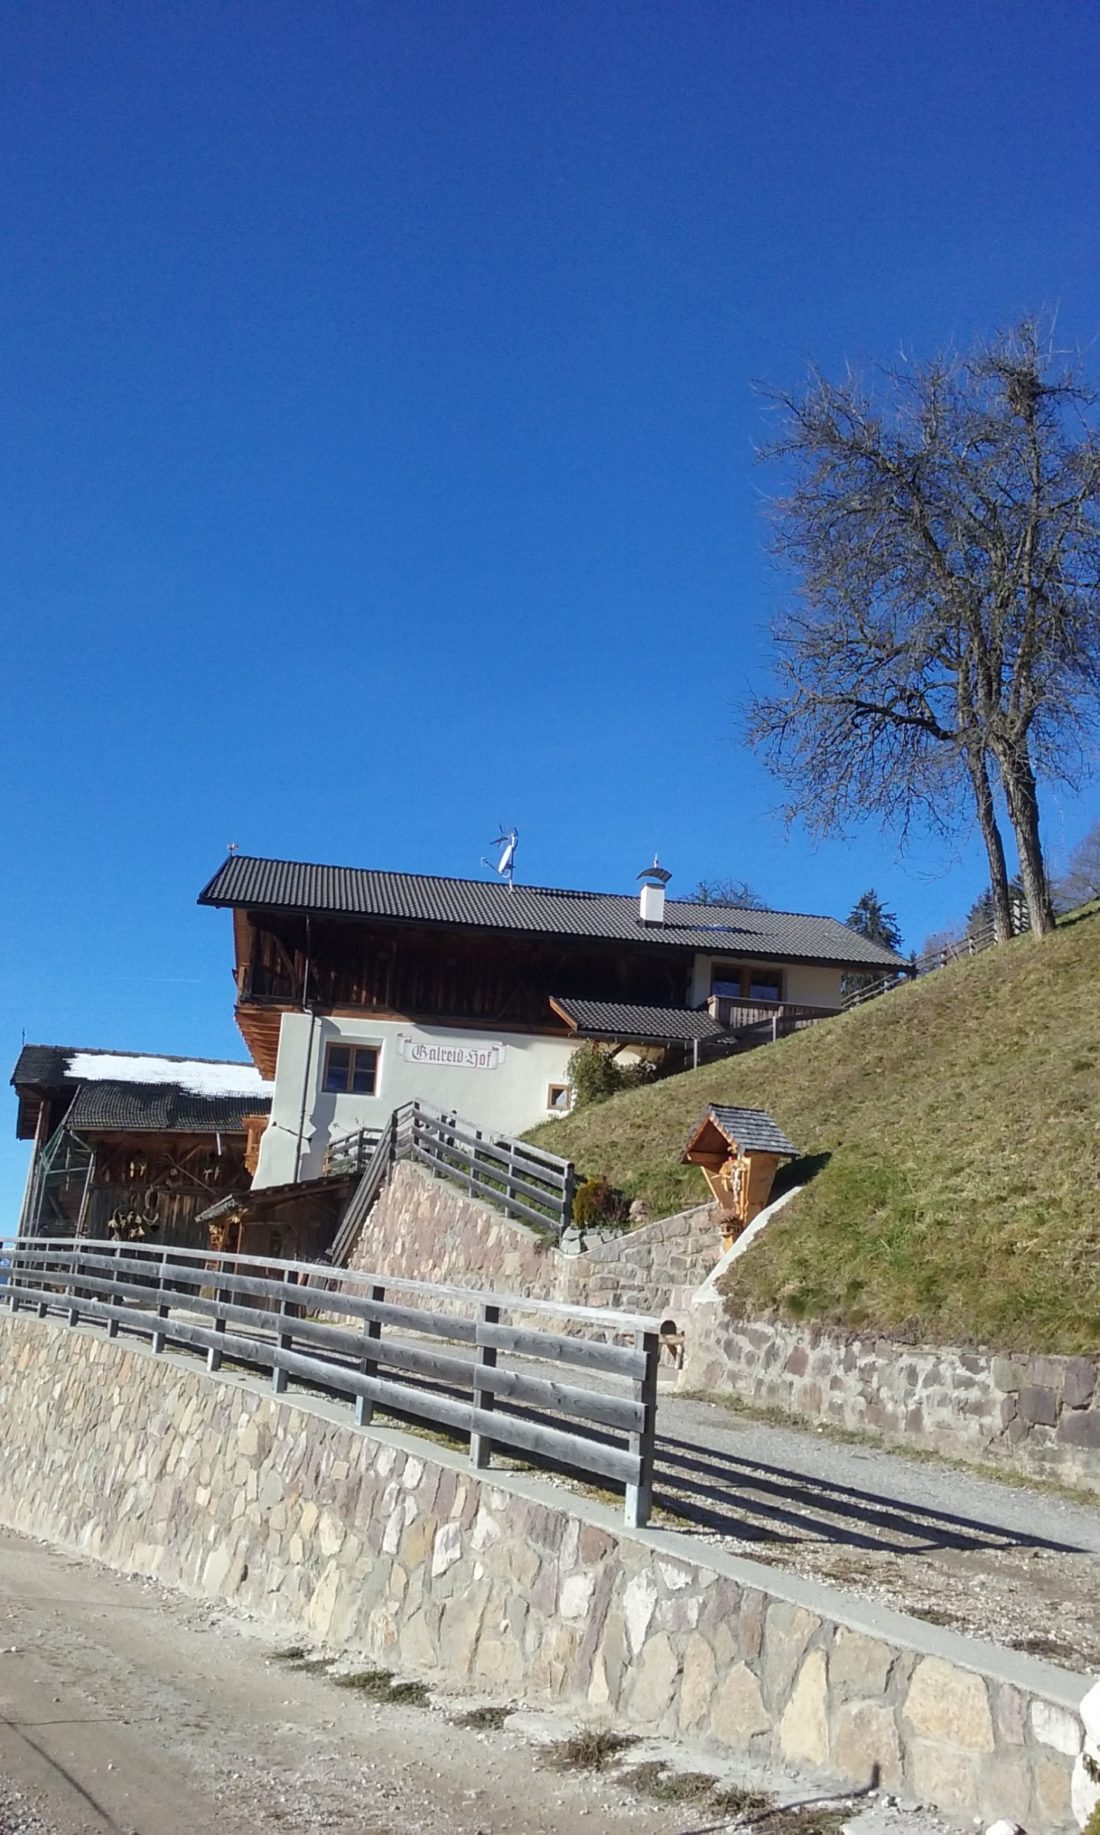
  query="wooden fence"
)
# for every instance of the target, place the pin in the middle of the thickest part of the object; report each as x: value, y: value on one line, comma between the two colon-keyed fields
x: 974, y: 943
x: 464, y: 1365
x: 522, y: 1181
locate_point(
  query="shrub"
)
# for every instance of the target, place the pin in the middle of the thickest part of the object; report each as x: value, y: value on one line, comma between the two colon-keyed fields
x: 598, y: 1201
x: 595, y: 1074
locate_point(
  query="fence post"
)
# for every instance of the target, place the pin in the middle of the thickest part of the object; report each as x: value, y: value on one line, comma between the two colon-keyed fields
x: 115, y: 1299
x: 74, y: 1310
x: 284, y: 1341
x: 481, y: 1446
x: 158, y: 1338
x: 639, y: 1497
x: 368, y: 1363
x: 43, y: 1308
x: 568, y: 1193
x: 214, y: 1355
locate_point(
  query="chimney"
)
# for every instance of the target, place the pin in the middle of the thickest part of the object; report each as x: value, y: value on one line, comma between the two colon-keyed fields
x: 651, y: 904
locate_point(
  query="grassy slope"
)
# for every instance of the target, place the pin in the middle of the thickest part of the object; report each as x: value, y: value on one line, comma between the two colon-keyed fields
x: 961, y: 1201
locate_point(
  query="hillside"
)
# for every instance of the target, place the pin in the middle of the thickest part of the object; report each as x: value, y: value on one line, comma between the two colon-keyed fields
x: 960, y: 1117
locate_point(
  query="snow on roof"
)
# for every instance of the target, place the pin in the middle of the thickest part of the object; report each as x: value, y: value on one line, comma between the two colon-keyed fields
x: 199, y: 1076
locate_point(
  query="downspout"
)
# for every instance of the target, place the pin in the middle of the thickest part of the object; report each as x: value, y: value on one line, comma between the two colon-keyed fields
x: 309, y: 1056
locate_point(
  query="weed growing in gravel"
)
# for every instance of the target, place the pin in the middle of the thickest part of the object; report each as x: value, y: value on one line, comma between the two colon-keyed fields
x: 664, y: 1786
x: 735, y: 1800
x: 591, y: 1749
x: 379, y: 1685
x: 298, y: 1657
x: 482, y: 1720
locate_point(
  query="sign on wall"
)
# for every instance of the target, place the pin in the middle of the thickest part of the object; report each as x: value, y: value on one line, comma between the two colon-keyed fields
x: 455, y: 1057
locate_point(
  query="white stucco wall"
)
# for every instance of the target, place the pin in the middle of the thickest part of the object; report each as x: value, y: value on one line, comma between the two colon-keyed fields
x: 809, y: 984
x: 511, y: 1095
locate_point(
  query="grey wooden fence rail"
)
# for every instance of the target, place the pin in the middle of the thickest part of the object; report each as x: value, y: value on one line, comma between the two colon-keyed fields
x: 461, y: 1375
x: 523, y: 1181
x: 978, y: 939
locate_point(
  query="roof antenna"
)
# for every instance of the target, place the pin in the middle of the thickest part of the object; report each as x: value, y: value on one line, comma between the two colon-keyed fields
x: 508, y: 839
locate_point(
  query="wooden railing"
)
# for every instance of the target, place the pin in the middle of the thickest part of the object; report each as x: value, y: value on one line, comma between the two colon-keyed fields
x: 974, y: 943
x: 775, y: 1018
x: 523, y: 1181
x: 383, y: 1353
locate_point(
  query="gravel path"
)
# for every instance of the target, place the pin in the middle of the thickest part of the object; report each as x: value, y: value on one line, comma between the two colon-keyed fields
x: 1011, y: 1563
x: 127, y: 1710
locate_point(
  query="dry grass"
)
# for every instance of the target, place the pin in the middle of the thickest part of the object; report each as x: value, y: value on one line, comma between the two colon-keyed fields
x: 961, y: 1126
x: 592, y: 1749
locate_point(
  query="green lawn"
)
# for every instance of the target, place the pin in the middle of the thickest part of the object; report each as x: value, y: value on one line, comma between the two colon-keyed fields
x: 960, y: 1199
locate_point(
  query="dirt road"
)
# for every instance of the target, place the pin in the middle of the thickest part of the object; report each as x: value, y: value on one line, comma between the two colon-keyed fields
x: 125, y: 1709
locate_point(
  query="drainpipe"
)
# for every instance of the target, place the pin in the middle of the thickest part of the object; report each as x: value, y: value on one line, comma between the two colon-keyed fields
x: 309, y: 1055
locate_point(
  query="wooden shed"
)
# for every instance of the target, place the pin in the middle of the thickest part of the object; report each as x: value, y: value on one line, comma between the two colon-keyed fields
x: 739, y: 1152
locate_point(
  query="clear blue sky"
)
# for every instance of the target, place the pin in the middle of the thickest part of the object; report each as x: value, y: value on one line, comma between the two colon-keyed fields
x: 377, y: 450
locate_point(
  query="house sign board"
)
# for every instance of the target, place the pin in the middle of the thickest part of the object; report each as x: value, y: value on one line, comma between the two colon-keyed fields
x: 459, y: 1057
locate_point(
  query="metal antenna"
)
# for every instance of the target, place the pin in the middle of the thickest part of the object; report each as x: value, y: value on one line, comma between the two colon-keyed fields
x: 508, y: 839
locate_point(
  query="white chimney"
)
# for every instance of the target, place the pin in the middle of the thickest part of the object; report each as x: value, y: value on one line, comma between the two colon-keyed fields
x: 651, y: 903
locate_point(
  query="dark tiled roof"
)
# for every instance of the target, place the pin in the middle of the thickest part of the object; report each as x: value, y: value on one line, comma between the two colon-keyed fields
x: 609, y: 1019
x: 159, y: 1108
x: 752, y: 1129
x: 288, y: 885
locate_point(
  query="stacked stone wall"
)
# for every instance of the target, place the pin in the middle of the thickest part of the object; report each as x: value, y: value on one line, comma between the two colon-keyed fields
x: 368, y: 1539
x: 1038, y: 1416
x: 425, y: 1229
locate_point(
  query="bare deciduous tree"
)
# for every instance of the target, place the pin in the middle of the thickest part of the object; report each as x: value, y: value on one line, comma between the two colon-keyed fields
x: 1081, y: 880
x: 736, y: 893
x: 944, y: 523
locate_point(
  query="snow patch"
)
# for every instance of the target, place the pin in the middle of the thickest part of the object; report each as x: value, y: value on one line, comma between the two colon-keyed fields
x: 199, y: 1076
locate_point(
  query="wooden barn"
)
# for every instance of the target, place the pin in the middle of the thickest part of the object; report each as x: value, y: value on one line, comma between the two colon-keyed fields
x: 134, y: 1145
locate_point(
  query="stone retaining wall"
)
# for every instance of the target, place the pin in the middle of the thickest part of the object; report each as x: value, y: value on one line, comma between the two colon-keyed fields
x: 374, y: 1540
x: 1038, y: 1416
x: 425, y: 1229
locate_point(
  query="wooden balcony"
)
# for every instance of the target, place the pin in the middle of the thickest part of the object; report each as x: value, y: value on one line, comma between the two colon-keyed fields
x: 761, y: 1022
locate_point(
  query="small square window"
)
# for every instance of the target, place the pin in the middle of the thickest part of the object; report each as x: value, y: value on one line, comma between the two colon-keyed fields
x: 350, y: 1070
x: 559, y: 1098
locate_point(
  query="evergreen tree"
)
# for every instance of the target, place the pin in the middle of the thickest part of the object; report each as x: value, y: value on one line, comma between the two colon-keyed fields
x: 870, y: 917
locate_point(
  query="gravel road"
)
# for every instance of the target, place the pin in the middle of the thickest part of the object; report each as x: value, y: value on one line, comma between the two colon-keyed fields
x: 127, y: 1710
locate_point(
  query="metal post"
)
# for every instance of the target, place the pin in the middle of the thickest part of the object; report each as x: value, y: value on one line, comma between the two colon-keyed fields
x: 639, y: 1497
x: 481, y: 1447
x: 368, y: 1363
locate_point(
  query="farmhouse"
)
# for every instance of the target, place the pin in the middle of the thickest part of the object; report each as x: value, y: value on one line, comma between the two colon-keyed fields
x: 358, y: 990
x: 133, y: 1144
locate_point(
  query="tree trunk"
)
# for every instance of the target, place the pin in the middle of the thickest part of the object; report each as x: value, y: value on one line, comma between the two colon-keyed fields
x: 994, y: 846
x: 1022, y: 798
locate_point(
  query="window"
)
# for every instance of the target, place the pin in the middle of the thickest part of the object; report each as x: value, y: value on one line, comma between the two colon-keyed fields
x: 731, y: 981
x: 350, y: 1070
x: 559, y: 1098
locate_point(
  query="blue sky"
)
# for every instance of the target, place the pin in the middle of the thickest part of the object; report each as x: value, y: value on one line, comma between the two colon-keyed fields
x: 378, y: 432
